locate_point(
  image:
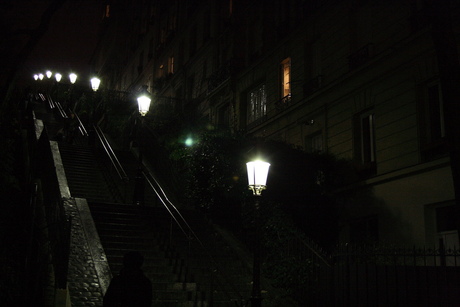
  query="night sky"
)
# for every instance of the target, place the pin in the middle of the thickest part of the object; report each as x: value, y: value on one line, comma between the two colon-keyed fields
x: 69, y: 42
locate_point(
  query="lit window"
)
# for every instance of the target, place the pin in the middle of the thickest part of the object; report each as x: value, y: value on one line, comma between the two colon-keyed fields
x: 257, y: 106
x: 286, y: 78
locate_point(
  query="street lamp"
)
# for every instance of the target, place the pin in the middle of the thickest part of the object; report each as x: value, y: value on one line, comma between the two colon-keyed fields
x: 143, y: 101
x: 257, y: 176
x: 40, y: 76
x: 73, y: 78
x: 257, y: 180
x: 95, y: 83
x: 48, y: 74
x: 58, y: 77
x: 35, y: 77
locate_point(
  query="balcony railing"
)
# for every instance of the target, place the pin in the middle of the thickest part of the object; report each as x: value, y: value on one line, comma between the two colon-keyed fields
x: 280, y: 106
x: 283, y: 103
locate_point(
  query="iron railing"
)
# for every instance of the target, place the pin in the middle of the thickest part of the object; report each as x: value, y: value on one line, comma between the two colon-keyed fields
x: 384, y: 276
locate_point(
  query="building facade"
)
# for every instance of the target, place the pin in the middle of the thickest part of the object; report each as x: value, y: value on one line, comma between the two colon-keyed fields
x: 369, y: 81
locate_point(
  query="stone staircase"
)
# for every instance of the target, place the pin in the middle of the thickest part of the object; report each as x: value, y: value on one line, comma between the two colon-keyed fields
x: 124, y: 228
x: 187, y: 268
x: 84, y: 176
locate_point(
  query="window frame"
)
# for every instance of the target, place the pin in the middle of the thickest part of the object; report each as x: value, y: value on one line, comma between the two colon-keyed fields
x: 259, y: 111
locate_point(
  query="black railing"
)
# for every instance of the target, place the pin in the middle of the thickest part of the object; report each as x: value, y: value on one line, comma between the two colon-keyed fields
x: 114, y: 163
x: 219, y: 280
x: 381, y: 276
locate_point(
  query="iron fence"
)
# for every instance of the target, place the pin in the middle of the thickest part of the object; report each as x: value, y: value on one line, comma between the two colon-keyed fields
x: 382, y: 276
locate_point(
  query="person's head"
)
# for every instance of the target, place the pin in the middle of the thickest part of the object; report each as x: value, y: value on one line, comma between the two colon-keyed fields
x: 133, y: 260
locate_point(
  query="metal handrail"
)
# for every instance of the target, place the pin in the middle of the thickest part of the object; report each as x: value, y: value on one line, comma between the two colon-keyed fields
x: 61, y: 109
x: 50, y: 100
x: 184, y: 227
x: 81, y: 127
x: 111, y: 154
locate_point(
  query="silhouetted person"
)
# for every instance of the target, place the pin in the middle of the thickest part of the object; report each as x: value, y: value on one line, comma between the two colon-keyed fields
x: 131, y: 287
x: 70, y: 128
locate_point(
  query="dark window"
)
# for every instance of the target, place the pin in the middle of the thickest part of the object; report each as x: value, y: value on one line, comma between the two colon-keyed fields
x: 446, y: 218
x: 435, y: 113
x: 364, y: 142
x: 314, y: 142
x: 367, y: 138
x: 224, y: 117
x: 431, y: 118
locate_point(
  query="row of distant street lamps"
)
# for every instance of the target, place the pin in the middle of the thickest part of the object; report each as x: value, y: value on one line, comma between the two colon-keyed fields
x: 143, y: 100
x: 95, y: 82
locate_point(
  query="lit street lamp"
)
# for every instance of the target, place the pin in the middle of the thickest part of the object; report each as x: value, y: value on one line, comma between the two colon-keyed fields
x: 58, y: 77
x: 40, y: 76
x: 73, y: 78
x: 257, y: 176
x: 95, y: 83
x: 48, y: 74
x: 257, y: 180
x: 143, y: 102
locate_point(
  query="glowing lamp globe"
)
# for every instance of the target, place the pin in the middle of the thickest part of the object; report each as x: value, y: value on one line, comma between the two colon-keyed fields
x: 95, y: 83
x: 257, y: 176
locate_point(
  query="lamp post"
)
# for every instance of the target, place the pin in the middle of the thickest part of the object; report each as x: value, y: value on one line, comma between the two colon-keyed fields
x: 58, y: 78
x: 257, y: 179
x: 143, y: 102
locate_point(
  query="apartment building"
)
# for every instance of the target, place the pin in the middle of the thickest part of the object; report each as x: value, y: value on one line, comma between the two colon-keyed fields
x: 369, y: 81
